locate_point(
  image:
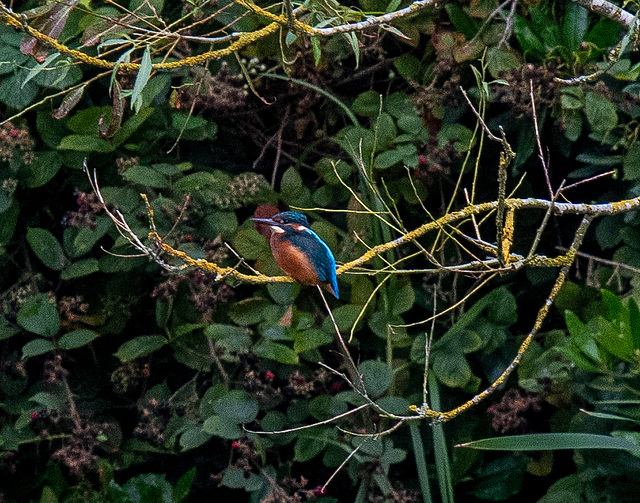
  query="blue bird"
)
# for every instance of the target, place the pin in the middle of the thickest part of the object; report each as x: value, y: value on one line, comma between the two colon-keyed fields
x: 300, y: 252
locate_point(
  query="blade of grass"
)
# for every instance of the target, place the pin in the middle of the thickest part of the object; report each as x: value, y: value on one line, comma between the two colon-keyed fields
x: 319, y: 90
x: 421, y: 462
x: 443, y: 467
x: 553, y: 441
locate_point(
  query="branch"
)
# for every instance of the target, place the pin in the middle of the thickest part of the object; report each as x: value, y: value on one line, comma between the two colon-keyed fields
x: 609, y: 10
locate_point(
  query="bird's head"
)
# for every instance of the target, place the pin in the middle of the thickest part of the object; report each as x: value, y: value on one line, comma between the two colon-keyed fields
x: 287, y: 220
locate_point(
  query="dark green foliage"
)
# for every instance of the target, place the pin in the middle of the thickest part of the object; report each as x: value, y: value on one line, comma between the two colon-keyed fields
x: 121, y: 382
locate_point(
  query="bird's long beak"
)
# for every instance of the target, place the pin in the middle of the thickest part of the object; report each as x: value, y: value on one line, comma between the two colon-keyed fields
x: 268, y: 221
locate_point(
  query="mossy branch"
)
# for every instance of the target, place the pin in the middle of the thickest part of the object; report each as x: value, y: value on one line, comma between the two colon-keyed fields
x: 10, y: 18
x: 165, y: 255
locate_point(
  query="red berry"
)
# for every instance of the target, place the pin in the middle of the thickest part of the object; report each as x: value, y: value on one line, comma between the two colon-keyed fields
x: 235, y: 444
x: 268, y: 375
x: 34, y: 415
x: 422, y: 159
x: 336, y: 387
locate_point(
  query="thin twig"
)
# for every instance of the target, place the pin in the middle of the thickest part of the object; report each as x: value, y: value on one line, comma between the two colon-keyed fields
x: 537, y: 135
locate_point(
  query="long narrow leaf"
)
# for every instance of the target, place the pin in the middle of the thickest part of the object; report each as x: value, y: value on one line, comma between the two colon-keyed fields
x: 603, y: 415
x: 141, y: 80
x: 421, y: 462
x: 443, y: 467
x: 319, y: 90
x: 553, y: 441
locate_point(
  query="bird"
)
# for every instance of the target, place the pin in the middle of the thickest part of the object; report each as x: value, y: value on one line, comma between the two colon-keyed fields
x: 300, y: 252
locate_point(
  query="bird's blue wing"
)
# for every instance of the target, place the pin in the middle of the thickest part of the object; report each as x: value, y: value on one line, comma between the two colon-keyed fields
x: 323, y: 259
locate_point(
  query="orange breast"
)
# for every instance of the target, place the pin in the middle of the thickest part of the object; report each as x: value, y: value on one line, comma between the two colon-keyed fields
x: 293, y: 261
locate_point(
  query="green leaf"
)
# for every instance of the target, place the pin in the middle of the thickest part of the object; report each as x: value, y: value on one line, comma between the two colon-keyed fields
x: 500, y: 479
x: 462, y: 22
x: 274, y: 351
x: 45, y: 167
x: 210, y: 396
x: 146, y: 176
x: 183, y: 486
x: 85, y: 143
x: 310, y: 339
x: 11, y: 57
x: 219, y: 427
x: 46, y: 399
x: 292, y: 188
x: 408, y: 67
x: 377, y: 376
x: 15, y: 96
x: 601, y: 113
x: 399, y: 105
x: 631, y: 163
x: 47, y: 248
x: 140, y: 346
x: 634, y: 322
x: 48, y: 496
x: 80, y: 268
x: 410, y: 124
x: 77, y: 242
x: 250, y: 244
x: 570, y: 102
x: 233, y: 338
x: 575, y: 26
x: 236, y: 407
x: 308, y: 446
x: 283, y: 293
x: 352, y: 38
x: 528, y: 40
x: 421, y: 459
x: 76, y: 339
x: 552, y: 442
x: 317, y: 50
x: 131, y: 125
x: 38, y: 315
x: 613, y: 417
x: 573, y: 126
x: 37, y: 347
x: 6, y: 331
x: 236, y: 479
x: 248, y: 311
x: 367, y: 104
x: 457, y: 134
x: 451, y: 368
x: 183, y: 121
x: 388, y: 158
x: 142, y: 78
x: 194, y: 437
x: 385, y: 131
x: 501, y: 60
x: 345, y: 317
x: 403, y: 299
x: 8, y: 220
x: 616, y: 341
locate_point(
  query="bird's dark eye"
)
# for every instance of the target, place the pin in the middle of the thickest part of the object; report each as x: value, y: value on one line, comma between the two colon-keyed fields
x: 278, y: 219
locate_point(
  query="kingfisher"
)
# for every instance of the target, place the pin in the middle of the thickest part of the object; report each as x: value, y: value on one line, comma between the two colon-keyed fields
x: 300, y: 252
